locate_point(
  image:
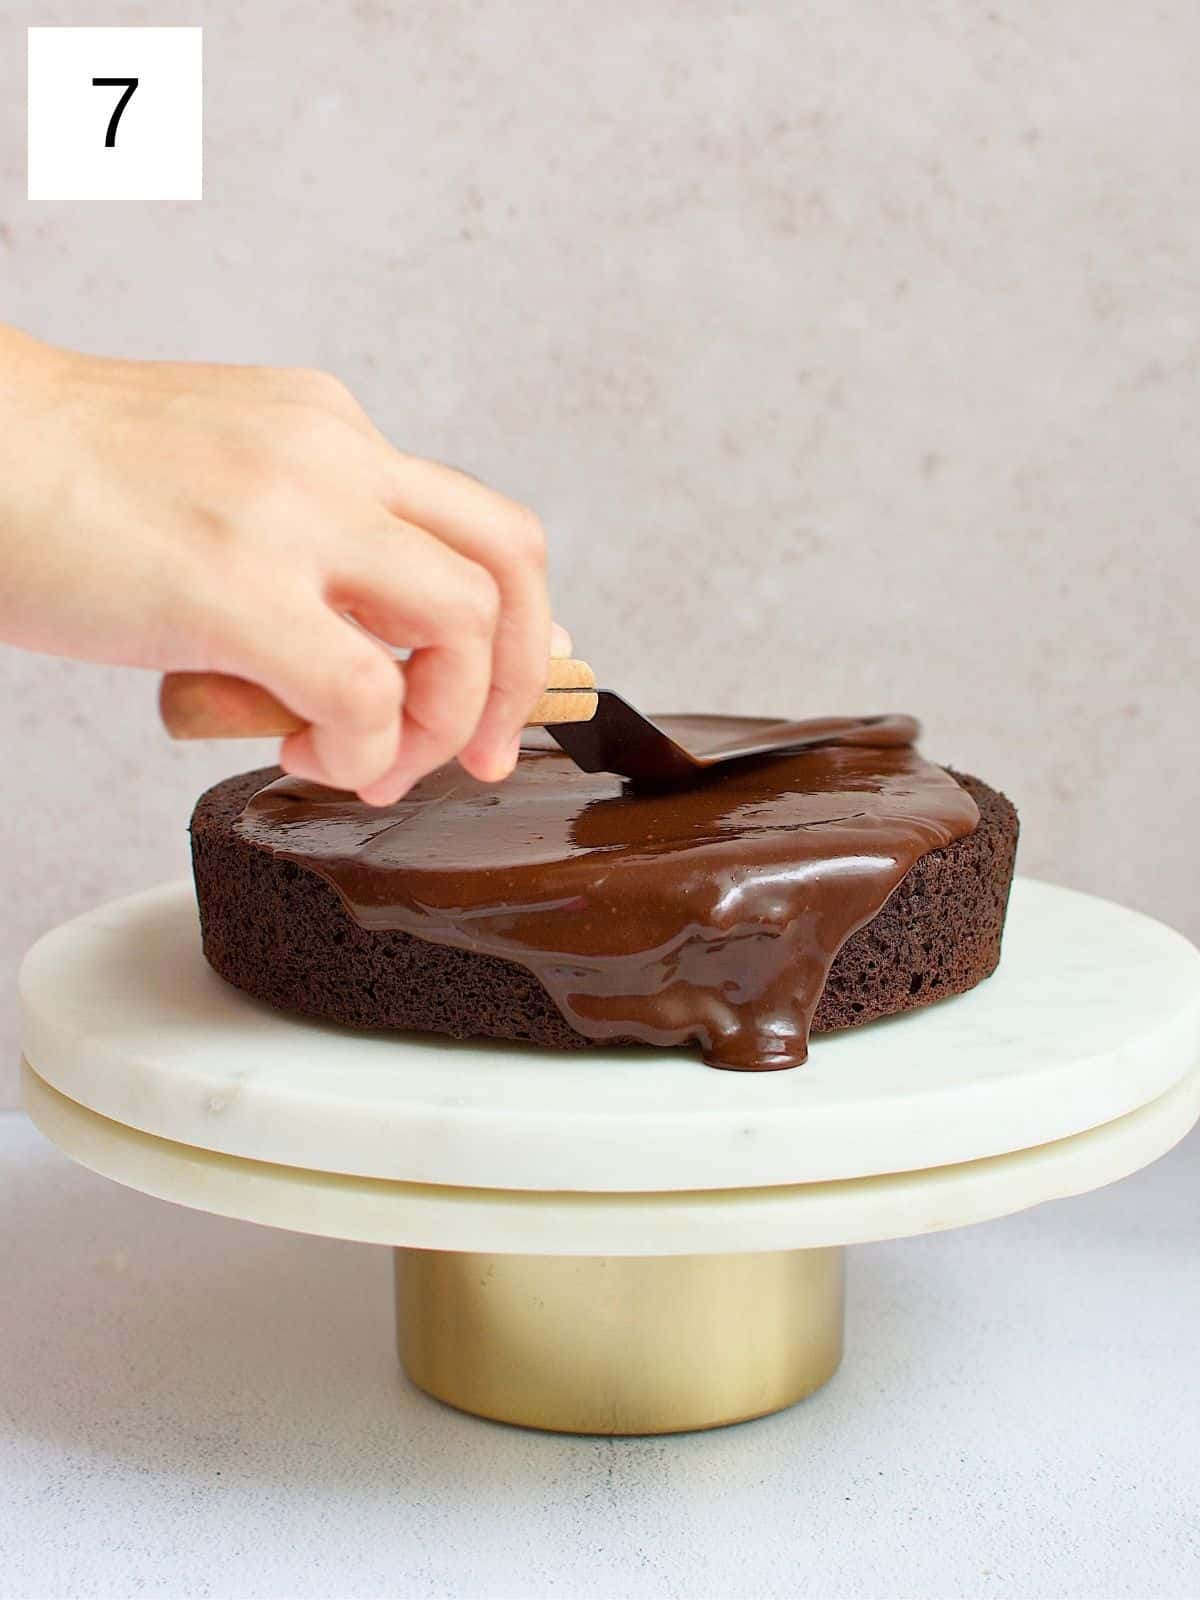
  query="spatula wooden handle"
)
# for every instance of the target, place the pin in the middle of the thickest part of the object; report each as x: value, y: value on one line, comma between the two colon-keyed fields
x: 213, y: 705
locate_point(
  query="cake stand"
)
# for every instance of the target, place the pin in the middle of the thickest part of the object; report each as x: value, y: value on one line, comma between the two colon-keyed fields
x: 616, y: 1241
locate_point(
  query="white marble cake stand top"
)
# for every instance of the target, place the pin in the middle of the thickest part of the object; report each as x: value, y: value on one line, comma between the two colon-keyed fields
x: 546, y: 1222
x: 1094, y: 1013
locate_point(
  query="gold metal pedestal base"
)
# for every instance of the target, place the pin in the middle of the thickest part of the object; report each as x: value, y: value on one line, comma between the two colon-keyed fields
x: 619, y: 1344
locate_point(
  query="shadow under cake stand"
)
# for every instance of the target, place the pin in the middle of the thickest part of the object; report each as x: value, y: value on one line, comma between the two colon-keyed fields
x: 616, y: 1241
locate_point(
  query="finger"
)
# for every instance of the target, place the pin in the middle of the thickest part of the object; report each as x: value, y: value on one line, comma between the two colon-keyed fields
x: 560, y: 642
x: 409, y: 588
x: 508, y: 542
x: 342, y: 682
x: 433, y: 728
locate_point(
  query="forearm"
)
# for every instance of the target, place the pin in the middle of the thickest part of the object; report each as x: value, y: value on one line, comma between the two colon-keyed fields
x: 30, y: 483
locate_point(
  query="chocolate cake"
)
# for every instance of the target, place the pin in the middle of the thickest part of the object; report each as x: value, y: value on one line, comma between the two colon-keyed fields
x: 779, y: 896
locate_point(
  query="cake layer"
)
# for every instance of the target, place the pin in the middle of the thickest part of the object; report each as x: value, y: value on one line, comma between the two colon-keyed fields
x: 302, y: 923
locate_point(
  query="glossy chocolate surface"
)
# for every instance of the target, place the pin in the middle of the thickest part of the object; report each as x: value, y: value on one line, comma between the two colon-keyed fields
x: 710, y: 913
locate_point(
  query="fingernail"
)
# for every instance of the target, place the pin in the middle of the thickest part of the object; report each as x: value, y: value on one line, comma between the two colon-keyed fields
x: 380, y: 794
x: 387, y: 798
x: 560, y: 640
x: 502, y: 763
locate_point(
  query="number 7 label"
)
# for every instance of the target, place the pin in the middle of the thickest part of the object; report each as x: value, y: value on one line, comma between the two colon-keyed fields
x: 129, y: 85
x: 116, y: 114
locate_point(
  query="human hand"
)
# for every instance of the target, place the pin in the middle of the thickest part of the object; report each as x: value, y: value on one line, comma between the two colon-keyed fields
x: 231, y: 519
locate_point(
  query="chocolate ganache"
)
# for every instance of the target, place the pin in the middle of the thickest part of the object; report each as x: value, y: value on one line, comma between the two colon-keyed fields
x: 710, y: 913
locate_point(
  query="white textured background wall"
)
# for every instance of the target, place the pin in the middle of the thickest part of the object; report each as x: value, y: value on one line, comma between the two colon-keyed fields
x: 849, y: 351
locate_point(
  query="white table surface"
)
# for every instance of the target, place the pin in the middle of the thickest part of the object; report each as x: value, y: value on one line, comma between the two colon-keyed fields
x: 192, y: 1406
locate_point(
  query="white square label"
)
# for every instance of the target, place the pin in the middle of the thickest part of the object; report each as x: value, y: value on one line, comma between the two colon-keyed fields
x: 115, y: 114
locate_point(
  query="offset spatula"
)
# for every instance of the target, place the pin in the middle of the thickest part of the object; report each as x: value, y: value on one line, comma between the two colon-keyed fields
x: 618, y: 738
x: 597, y: 729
